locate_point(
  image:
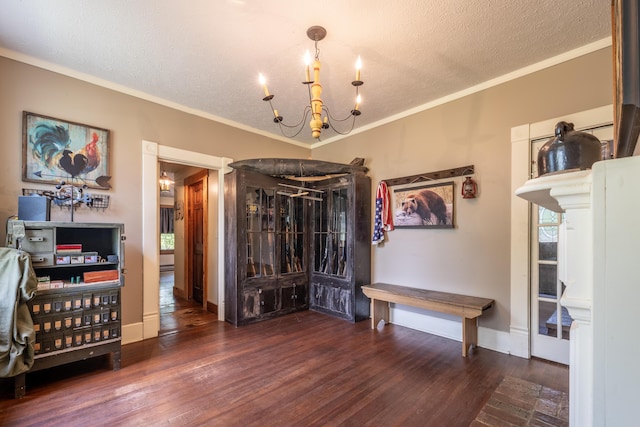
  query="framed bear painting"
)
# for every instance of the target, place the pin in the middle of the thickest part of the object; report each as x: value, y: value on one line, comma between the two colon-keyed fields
x: 426, y: 206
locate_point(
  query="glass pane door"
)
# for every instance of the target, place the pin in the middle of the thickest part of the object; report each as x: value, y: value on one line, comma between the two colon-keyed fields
x: 550, y: 321
x: 260, y: 232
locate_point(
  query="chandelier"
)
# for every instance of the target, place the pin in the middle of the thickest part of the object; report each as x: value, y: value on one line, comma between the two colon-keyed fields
x: 316, y: 108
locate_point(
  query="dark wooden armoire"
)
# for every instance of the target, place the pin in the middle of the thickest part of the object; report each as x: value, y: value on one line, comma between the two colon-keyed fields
x: 296, y: 245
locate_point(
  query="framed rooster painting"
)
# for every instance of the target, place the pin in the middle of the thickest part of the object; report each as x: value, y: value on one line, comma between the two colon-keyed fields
x: 55, y: 150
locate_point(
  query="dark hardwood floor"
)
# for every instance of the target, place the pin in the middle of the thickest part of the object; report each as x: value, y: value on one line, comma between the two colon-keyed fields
x: 302, y: 369
x: 178, y: 314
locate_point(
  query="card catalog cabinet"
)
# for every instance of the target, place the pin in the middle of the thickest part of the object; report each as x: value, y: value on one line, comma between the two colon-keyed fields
x: 76, y: 311
x: 277, y: 242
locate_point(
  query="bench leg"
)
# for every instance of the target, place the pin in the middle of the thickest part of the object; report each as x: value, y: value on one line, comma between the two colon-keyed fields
x: 379, y: 311
x: 469, y: 334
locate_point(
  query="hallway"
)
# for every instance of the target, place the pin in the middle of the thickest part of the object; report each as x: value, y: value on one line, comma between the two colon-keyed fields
x: 178, y: 314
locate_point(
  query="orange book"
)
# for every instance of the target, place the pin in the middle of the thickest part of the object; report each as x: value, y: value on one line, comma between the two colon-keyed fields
x: 100, y: 276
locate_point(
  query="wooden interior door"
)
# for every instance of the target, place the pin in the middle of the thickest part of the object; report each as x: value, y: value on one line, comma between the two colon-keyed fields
x: 196, y: 236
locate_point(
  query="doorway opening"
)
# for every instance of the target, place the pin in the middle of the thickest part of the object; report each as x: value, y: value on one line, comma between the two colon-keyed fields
x: 183, y: 299
x: 152, y: 153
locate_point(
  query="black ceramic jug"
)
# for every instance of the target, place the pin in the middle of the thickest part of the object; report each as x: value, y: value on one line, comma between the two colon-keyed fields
x: 569, y: 150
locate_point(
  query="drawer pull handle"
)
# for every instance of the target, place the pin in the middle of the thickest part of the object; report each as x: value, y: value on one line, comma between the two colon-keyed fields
x: 37, y: 259
x: 36, y: 239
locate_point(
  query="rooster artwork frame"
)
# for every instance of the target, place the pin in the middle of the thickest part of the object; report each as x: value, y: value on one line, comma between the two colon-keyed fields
x: 55, y: 150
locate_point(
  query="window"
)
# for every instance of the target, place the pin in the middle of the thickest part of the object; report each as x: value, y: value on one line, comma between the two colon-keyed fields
x: 167, y: 238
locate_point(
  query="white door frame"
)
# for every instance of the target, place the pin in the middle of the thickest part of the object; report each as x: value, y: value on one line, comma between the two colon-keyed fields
x: 152, y: 153
x: 520, y: 328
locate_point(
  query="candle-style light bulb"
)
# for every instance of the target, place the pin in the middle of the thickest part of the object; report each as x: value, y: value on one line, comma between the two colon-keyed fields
x: 263, y: 82
x: 358, y: 67
x: 358, y: 101
x: 307, y: 63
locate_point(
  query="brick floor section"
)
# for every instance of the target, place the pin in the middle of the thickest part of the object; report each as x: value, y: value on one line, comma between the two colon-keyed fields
x: 517, y: 402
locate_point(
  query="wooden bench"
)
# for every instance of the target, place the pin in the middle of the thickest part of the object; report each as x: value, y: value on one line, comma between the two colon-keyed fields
x: 467, y: 307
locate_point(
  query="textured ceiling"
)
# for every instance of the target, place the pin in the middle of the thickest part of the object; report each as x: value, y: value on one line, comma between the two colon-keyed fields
x: 205, y: 55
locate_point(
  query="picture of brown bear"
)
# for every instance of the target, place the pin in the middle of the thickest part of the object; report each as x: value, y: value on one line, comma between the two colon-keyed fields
x: 424, y: 203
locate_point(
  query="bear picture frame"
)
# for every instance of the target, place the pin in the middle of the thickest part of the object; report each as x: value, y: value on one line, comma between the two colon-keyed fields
x: 423, y: 206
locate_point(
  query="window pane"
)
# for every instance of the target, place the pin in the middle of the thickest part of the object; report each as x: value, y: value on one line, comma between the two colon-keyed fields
x: 545, y: 216
x: 548, y: 278
x: 546, y: 311
x: 167, y: 241
x: 548, y: 243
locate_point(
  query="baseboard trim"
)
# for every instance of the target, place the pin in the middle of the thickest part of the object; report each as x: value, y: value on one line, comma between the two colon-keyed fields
x: 212, y: 308
x: 448, y: 326
x: 132, y: 333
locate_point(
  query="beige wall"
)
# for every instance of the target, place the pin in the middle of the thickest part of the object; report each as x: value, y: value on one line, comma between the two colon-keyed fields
x: 130, y: 120
x: 474, y: 257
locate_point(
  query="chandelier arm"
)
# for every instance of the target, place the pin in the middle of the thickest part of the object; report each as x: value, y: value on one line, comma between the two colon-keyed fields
x: 306, y: 111
x: 300, y: 125
x: 353, y: 123
x: 331, y: 118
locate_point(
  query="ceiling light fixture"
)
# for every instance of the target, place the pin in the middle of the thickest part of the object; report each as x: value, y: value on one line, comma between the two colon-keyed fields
x: 316, y: 107
x: 165, y: 182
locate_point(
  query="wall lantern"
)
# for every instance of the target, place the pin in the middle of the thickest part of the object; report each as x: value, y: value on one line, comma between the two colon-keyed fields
x: 469, y: 188
x: 165, y: 182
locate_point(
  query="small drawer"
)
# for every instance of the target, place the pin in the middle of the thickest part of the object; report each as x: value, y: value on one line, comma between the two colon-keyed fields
x: 67, y: 321
x: 77, y: 302
x: 97, y: 333
x: 67, y: 303
x: 47, y: 344
x: 47, y: 306
x: 68, y: 339
x: 58, y: 341
x: 78, y: 319
x: 114, y: 330
x: 96, y: 316
x: 86, y: 300
x: 36, y: 307
x: 38, y: 240
x: 87, y: 335
x: 113, y: 297
x: 96, y: 300
x: 105, y: 299
x: 47, y: 324
x: 37, y: 346
x: 78, y: 337
x: 58, y: 323
x: 87, y: 317
x: 42, y: 260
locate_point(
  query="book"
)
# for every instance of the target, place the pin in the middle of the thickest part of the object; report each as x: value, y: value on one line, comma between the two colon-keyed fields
x: 100, y: 276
